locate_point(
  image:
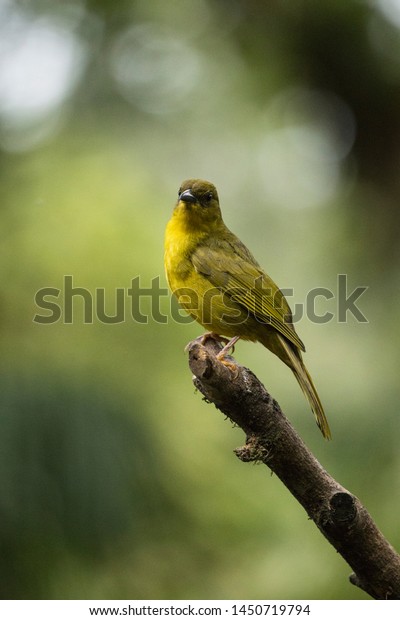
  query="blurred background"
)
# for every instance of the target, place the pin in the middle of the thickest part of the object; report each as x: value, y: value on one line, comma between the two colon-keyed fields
x: 116, y: 479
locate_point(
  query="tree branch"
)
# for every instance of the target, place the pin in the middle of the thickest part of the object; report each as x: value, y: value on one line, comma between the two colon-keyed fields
x: 271, y: 439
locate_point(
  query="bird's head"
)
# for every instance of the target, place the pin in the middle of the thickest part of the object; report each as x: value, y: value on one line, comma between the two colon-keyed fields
x: 198, y: 203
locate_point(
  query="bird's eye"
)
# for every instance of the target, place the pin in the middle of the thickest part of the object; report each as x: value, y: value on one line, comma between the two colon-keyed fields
x: 179, y: 191
x: 209, y: 196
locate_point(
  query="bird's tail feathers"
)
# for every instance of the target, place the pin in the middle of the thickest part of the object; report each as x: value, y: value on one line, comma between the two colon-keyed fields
x: 308, y: 388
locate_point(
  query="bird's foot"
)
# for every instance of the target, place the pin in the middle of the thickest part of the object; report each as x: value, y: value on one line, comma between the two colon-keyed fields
x: 228, y: 348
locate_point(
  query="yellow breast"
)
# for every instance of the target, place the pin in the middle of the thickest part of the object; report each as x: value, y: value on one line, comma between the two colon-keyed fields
x: 195, y: 293
x: 185, y: 282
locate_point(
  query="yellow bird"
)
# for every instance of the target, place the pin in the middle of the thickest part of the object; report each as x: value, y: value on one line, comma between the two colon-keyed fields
x: 220, y: 284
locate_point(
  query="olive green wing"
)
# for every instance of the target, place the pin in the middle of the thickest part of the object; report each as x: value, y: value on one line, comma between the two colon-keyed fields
x: 233, y: 271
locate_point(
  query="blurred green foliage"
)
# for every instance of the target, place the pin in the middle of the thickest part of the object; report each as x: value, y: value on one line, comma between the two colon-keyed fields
x: 116, y: 480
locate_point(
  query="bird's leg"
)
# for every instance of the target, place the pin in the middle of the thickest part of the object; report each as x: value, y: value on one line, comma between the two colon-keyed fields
x: 230, y: 344
x: 229, y: 347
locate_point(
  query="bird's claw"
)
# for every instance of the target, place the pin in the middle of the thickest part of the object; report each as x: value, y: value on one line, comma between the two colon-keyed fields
x: 231, y: 365
x: 228, y: 348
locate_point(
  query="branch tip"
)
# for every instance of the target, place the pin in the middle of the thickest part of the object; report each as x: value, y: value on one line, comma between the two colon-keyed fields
x: 271, y: 439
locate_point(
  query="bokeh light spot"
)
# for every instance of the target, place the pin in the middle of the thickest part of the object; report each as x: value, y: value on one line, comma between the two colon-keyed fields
x: 307, y: 135
x: 154, y: 69
x: 41, y: 62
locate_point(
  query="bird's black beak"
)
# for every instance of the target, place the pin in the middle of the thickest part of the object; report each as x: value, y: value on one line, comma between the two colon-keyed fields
x: 187, y: 196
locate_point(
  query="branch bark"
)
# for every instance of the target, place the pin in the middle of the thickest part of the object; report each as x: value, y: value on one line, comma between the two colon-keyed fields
x: 271, y: 439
